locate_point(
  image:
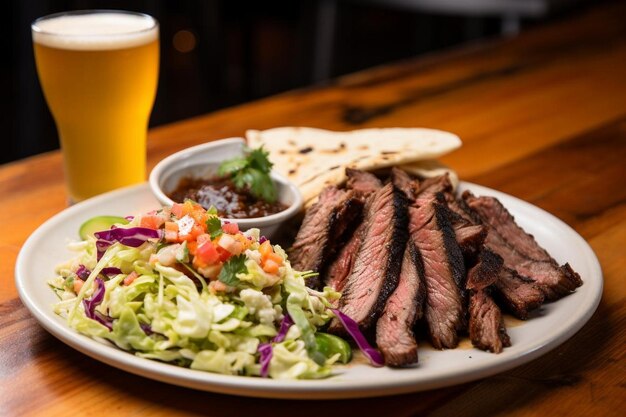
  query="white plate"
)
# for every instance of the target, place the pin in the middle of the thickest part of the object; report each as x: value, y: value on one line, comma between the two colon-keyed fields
x: 557, y: 322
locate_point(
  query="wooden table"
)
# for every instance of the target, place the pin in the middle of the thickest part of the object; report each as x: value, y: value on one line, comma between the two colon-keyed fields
x: 542, y: 117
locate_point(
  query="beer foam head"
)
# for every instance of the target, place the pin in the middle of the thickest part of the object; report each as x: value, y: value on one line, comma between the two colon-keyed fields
x: 95, y: 31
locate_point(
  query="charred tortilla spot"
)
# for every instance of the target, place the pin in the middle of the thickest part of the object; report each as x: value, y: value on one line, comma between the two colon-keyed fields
x: 306, y: 150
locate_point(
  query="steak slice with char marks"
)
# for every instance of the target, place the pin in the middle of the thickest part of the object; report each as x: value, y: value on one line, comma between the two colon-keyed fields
x: 364, y: 185
x: 520, y: 250
x: 362, y: 182
x: 485, y: 272
x: 394, y: 330
x: 470, y: 238
x: 322, y: 228
x: 405, y: 183
x: 519, y: 294
x: 486, y: 326
x: 430, y: 187
x: 377, y: 265
x: 339, y: 270
x: 470, y: 235
x: 444, y: 270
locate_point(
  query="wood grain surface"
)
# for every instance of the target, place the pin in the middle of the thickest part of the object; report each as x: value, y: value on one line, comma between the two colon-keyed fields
x: 542, y: 117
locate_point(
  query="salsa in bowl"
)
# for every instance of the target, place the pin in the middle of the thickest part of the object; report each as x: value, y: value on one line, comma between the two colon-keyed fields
x: 237, y: 182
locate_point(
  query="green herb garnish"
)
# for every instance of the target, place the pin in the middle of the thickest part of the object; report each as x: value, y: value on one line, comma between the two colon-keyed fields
x: 251, y: 171
x: 235, y: 265
x: 214, y: 227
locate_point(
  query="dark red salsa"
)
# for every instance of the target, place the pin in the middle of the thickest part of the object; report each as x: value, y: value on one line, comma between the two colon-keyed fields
x: 222, y: 194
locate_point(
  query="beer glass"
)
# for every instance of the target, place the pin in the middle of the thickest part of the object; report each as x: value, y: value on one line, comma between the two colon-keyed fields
x: 99, y: 70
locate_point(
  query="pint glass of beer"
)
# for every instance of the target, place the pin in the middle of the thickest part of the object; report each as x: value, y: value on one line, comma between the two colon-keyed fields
x: 99, y: 72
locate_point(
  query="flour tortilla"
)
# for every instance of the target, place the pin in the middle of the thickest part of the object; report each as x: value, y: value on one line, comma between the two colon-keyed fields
x: 314, y: 158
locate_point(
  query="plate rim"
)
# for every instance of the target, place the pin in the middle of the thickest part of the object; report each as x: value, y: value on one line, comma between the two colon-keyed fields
x: 288, y: 389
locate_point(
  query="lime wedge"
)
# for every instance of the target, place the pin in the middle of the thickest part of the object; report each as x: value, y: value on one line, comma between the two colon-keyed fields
x: 329, y: 345
x: 98, y: 224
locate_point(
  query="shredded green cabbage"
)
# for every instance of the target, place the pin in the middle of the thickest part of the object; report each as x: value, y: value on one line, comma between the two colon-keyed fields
x: 165, y: 315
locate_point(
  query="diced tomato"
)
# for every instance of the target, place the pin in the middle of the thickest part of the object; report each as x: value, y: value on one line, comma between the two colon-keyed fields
x: 224, y: 254
x: 177, y: 210
x: 171, y: 236
x: 78, y: 284
x: 130, y: 278
x: 245, y: 242
x: 200, y: 216
x: 188, y: 207
x: 171, y: 232
x: 203, y: 238
x: 196, y: 230
x: 274, y: 257
x: 231, y: 244
x: 173, y: 226
x: 270, y: 266
x: 208, y: 253
x: 152, y: 221
x: 230, y: 228
x: 192, y: 247
x: 265, y: 249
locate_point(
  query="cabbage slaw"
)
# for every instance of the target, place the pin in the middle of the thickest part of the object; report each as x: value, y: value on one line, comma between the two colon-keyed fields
x: 177, y: 286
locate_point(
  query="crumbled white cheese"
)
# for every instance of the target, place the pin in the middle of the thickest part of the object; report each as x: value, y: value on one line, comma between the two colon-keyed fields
x: 258, y: 304
x: 184, y: 225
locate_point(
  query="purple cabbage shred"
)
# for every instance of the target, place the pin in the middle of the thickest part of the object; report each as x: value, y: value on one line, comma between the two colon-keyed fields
x: 265, y: 353
x: 95, y: 300
x: 146, y: 329
x: 351, y: 326
x: 265, y: 349
x: 133, y: 237
x: 111, y: 270
x: 83, y: 272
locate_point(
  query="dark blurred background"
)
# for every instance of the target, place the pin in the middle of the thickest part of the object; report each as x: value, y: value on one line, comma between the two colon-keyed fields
x: 218, y: 53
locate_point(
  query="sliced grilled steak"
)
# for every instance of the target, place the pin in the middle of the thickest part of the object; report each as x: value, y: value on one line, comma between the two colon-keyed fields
x: 405, y: 183
x: 322, y: 228
x: 470, y: 238
x: 519, y: 249
x: 485, y: 272
x: 377, y: 265
x: 362, y: 182
x: 444, y: 271
x: 430, y: 187
x: 470, y: 235
x: 486, y: 326
x: 339, y: 270
x: 519, y: 294
x: 394, y: 330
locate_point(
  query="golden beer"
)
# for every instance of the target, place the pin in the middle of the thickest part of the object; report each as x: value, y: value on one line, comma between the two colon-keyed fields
x: 99, y: 73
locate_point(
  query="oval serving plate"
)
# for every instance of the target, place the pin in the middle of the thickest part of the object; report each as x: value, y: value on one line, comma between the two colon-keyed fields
x: 555, y: 323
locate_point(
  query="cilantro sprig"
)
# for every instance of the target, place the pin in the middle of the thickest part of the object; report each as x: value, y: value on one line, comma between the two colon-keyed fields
x: 214, y: 226
x: 235, y: 265
x: 251, y: 171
